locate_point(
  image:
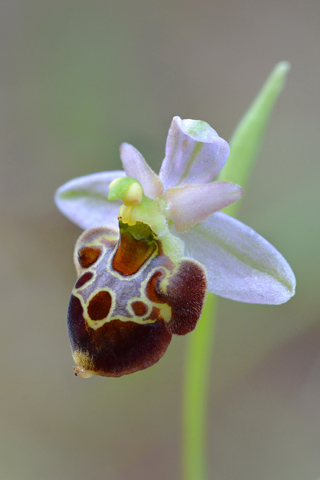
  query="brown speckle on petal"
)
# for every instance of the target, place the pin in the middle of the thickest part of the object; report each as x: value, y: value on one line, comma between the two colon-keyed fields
x: 87, y: 256
x: 139, y: 308
x: 83, y: 279
x: 153, y: 288
x: 99, y: 306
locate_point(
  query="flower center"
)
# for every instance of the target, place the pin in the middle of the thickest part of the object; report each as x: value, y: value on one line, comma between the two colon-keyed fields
x: 127, y: 189
x: 137, y: 207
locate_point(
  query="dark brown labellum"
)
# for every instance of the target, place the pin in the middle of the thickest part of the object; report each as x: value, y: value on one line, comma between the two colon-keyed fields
x: 128, y: 301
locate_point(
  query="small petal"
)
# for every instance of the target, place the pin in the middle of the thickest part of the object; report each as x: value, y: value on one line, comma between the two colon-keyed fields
x: 194, y: 153
x: 135, y: 166
x: 241, y: 265
x: 192, y: 204
x: 84, y: 200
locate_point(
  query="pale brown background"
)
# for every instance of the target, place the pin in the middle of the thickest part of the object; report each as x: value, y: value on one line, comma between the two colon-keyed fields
x: 77, y: 79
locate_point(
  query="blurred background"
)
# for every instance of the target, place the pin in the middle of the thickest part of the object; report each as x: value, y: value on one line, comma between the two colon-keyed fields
x: 77, y: 78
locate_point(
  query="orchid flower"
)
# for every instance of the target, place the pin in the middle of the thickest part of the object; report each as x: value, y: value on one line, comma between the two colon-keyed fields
x: 176, y: 214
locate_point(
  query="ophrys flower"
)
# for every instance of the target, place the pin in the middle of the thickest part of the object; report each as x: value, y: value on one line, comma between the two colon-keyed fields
x: 140, y: 285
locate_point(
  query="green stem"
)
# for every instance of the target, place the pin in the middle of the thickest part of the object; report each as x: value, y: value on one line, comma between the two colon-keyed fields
x: 196, y: 386
x: 244, y: 145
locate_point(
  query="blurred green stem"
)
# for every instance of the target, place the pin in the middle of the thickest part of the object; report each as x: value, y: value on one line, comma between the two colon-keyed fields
x: 245, y: 144
x: 196, y: 386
